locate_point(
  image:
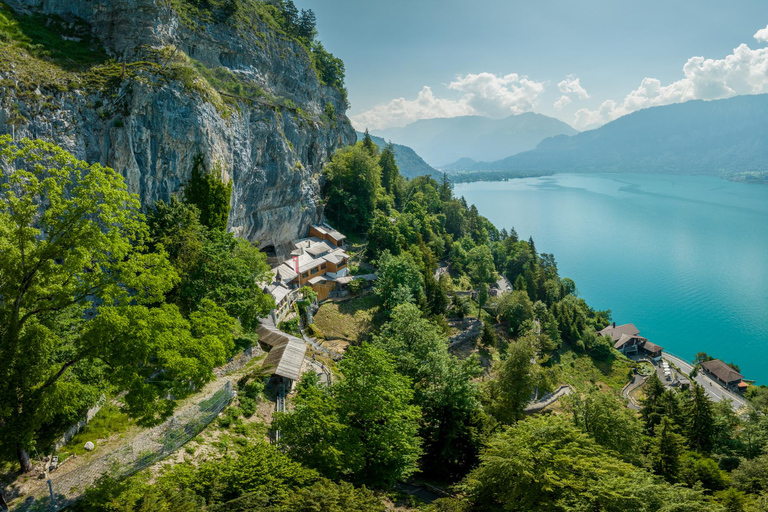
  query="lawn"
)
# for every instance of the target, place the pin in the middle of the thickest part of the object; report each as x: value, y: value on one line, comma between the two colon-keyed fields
x: 582, y: 372
x: 350, y: 320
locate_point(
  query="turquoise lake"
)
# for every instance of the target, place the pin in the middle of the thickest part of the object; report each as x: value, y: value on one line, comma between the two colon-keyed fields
x: 684, y: 258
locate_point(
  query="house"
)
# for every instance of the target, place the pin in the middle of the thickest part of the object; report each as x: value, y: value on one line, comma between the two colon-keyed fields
x: 327, y: 233
x: 500, y: 287
x: 627, y: 340
x: 317, y: 261
x: 724, y: 374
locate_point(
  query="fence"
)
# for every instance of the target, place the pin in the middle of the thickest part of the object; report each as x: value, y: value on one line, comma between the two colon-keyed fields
x: 147, y: 448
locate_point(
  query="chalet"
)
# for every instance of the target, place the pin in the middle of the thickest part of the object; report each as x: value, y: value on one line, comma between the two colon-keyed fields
x: 724, y: 374
x: 328, y: 234
x: 627, y: 340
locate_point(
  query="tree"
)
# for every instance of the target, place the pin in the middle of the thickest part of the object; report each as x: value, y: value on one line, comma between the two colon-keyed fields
x: 389, y: 170
x: 230, y: 271
x: 443, y: 389
x: 699, y: 419
x: 515, y: 308
x: 517, y: 378
x: 608, y: 422
x: 380, y: 441
x: 400, y: 280
x: 72, y: 248
x: 667, y: 446
x: 307, y: 22
x: 209, y: 194
x: 368, y: 143
x: 480, y: 266
x: 176, y: 226
x: 545, y: 463
x: 383, y: 236
x: 352, y: 182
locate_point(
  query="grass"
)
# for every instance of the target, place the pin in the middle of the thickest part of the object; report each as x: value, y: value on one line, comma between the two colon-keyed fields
x: 583, y: 373
x: 110, y: 420
x: 351, y: 320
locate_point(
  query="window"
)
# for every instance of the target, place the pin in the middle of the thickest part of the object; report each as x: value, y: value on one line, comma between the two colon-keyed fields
x: 323, y: 266
x: 305, y: 274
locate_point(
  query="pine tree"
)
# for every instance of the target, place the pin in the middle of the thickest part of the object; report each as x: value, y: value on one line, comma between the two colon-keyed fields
x: 368, y: 143
x: 307, y: 22
x: 446, y: 189
x: 389, y: 169
x: 651, y: 412
x: 666, y: 448
x: 700, y: 420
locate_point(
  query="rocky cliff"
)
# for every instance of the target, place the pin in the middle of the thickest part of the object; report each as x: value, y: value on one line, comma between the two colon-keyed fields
x: 144, y: 86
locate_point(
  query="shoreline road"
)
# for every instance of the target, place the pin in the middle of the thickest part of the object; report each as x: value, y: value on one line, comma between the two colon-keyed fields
x: 715, y: 391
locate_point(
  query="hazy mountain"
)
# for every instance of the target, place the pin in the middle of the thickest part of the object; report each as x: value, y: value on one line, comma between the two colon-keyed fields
x: 698, y: 137
x: 410, y: 163
x: 444, y: 140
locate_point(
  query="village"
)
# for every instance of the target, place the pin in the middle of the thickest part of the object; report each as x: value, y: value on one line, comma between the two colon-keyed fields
x: 319, y: 262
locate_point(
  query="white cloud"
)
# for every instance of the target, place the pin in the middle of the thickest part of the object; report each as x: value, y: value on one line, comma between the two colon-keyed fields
x: 493, y: 95
x: 562, y: 102
x: 745, y: 71
x: 482, y: 94
x: 572, y: 85
x: 400, y: 111
x: 762, y: 35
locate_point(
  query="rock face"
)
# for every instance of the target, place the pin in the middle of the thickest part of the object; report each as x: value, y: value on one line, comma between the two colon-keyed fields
x: 150, y: 129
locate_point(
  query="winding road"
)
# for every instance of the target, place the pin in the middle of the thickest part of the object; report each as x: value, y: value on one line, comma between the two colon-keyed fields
x: 715, y: 391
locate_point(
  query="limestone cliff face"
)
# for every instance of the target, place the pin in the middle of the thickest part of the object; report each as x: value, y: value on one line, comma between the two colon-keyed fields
x: 149, y: 127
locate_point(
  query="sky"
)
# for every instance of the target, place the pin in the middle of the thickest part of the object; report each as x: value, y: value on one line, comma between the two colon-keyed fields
x: 585, y: 62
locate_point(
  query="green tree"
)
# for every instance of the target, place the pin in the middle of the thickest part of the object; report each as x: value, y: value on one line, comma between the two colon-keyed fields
x: 480, y: 265
x: 516, y: 379
x: 515, y: 308
x: 390, y: 173
x: 667, y: 446
x: 383, y: 236
x: 72, y: 247
x: 443, y: 387
x: 209, y: 194
x: 381, y: 441
x: 699, y: 419
x: 368, y: 143
x: 352, y: 183
x: 400, y: 280
x: 609, y: 422
x: 230, y: 271
x: 545, y: 463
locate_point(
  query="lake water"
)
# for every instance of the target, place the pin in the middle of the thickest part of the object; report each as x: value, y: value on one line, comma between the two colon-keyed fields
x: 684, y: 258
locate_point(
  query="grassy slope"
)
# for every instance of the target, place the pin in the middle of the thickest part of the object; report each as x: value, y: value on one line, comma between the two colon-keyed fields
x: 350, y: 320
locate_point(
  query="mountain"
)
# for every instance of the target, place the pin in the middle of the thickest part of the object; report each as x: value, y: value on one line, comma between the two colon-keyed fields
x: 719, y: 137
x: 144, y: 86
x: 444, y: 140
x: 409, y: 162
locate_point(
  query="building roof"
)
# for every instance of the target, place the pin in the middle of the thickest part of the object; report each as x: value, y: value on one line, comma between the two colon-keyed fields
x: 317, y: 279
x: 349, y: 279
x: 314, y: 246
x: 286, y: 359
x: 651, y: 347
x: 284, y: 273
x: 721, y: 370
x: 624, y: 339
x: 279, y: 292
x: 287, y: 353
x: 325, y: 229
x: 615, y: 331
x: 336, y: 257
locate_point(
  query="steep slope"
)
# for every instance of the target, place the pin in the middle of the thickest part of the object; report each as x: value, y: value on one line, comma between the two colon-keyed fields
x: 444, y: 140
x: 219, y: 78
x: 719, y: 137
x: 409, y: 162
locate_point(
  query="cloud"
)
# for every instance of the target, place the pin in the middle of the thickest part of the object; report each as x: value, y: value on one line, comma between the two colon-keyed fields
x: 400, y: 111
x: 572, y: 85
x: 762, y: 35
x: 562, y: 102
x: 481, y: 94
x: 745, y: 71
x: 493, y: 95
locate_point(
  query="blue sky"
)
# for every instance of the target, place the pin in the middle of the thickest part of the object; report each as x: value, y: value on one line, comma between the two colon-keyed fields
x: 496, y: 57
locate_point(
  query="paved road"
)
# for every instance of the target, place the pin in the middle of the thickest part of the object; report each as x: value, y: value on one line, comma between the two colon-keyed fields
x: 636, y: 381
x: 715, y: 391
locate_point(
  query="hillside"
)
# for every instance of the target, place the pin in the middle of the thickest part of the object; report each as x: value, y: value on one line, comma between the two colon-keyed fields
x: 409, y: 162
x: 719, y: 137
x: 144, y: 86
x: 444, y: 140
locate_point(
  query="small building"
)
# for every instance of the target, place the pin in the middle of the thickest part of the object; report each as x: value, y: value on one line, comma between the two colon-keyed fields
x: 286, y: 355
x: 500, y: 287
x: 327, y: 233
x: 627, y: 340
x: 723, y: 374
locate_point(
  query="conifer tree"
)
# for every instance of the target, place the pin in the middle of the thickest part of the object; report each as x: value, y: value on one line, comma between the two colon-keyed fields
x: 699, y: 420
x: 368, y: 143
x: 389, y: 169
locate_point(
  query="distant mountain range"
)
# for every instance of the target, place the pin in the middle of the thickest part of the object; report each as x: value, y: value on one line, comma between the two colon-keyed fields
x: 443, y: 140
x: 719, y: 137
x: 409, y: 163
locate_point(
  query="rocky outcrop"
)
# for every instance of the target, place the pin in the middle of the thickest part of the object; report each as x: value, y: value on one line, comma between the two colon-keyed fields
x: 149, y: 124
